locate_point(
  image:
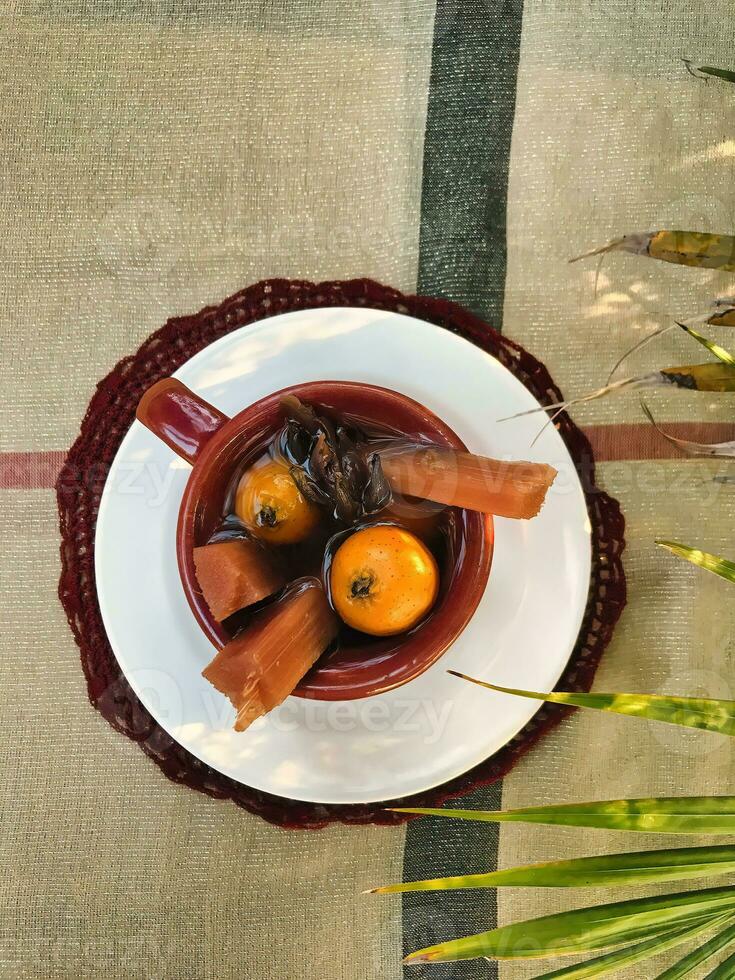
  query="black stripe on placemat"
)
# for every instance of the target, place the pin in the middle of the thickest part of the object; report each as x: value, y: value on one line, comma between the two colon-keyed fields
x: 436, y: 847
x: 469, y: 120
x: 462, y: 257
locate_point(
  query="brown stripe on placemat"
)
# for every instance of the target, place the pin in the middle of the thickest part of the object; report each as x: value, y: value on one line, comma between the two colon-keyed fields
x: 625, y: 441
x: 31, y: 470
x: 640, y: 441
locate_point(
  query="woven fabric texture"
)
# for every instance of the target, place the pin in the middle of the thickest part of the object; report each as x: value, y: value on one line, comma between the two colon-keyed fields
x: 159, y: 155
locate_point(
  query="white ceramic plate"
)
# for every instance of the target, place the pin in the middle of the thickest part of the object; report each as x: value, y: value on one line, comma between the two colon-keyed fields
x: 437, y: 726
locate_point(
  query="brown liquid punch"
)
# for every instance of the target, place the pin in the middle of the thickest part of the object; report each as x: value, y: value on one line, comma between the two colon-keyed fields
x: 289, y: 497
x: 434, y: 524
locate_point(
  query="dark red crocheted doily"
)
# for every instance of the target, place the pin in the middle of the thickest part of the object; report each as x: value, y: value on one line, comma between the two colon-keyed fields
x: 108, y: 418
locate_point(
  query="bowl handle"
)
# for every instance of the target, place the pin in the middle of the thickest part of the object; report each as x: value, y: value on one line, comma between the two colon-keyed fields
x: 183, y: 420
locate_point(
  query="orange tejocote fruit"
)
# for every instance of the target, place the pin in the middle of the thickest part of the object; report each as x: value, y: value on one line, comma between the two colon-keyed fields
x: 269, y: 503
x: 383, y: 580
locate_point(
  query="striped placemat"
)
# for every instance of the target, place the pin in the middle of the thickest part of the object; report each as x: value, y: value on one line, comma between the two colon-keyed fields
x: 157, y: 157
